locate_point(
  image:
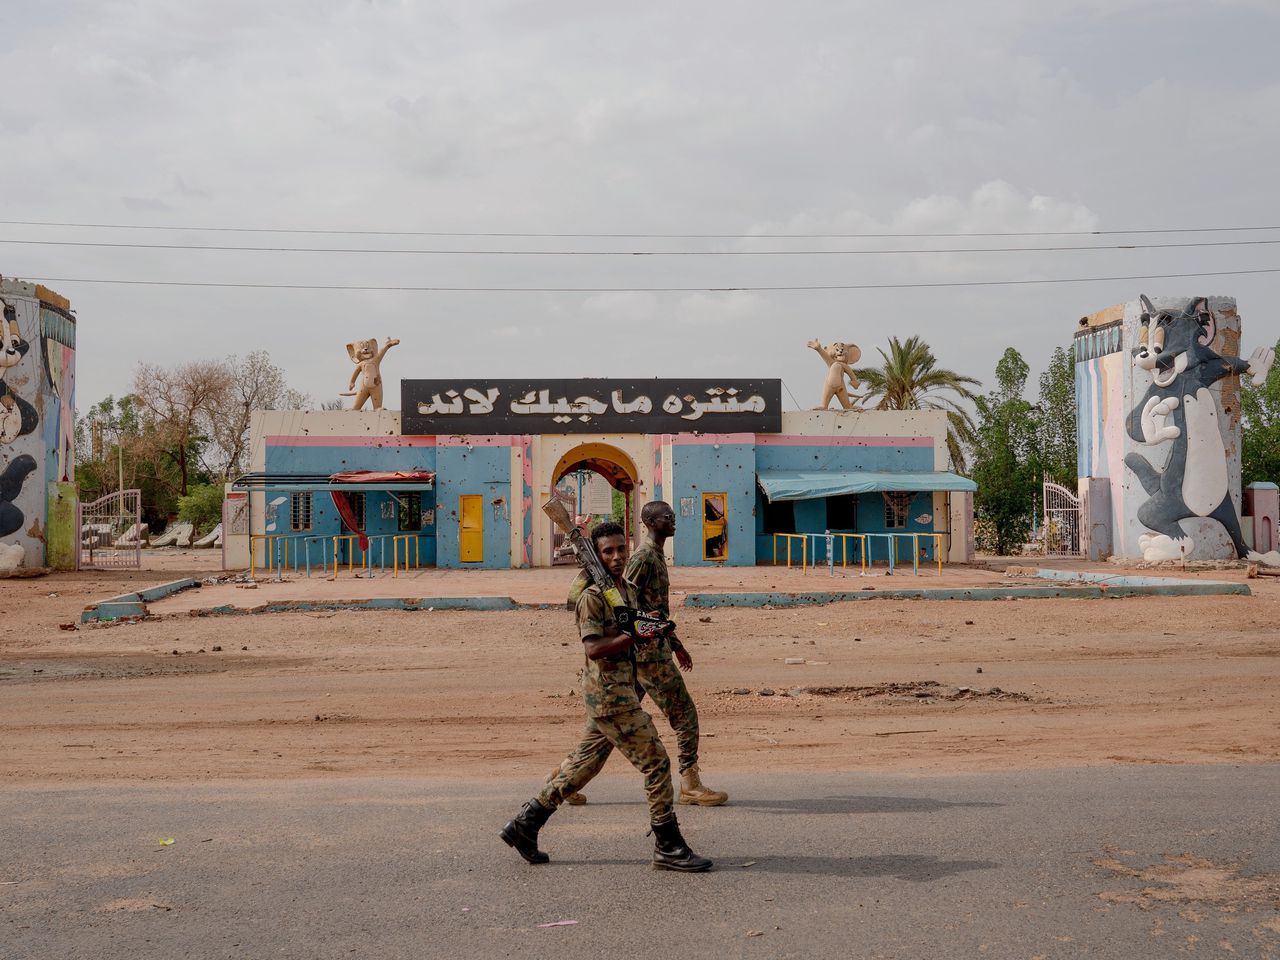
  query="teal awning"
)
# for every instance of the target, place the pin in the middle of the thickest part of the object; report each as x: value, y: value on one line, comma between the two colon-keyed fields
x: 813, y: 484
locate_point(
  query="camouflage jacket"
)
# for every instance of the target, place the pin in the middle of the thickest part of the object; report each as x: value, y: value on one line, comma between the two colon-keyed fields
x: 608, y: 685
x: 647, y: 572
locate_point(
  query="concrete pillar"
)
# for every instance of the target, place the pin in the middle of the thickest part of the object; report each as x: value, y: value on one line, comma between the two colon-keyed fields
x: 962, y: 544
x: 1262, y: 503
x: 1095, y: 517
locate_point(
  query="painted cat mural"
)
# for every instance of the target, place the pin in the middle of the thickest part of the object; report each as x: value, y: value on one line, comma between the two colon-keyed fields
x: 1179, y: 407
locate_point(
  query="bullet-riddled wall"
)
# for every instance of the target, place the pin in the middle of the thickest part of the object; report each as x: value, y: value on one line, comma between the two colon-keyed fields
x: 37, y: 424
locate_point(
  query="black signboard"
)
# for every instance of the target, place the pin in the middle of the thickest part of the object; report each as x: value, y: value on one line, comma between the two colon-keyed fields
x: 590, y: 406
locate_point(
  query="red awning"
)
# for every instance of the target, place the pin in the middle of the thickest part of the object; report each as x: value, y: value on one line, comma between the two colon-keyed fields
x: 386, y: 478
x: 383, y: 476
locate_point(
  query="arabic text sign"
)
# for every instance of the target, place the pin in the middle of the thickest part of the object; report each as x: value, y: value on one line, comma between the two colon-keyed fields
x: 590, y: 406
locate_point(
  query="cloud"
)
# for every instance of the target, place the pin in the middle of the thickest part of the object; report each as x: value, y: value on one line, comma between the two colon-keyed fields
x: 578, y: 117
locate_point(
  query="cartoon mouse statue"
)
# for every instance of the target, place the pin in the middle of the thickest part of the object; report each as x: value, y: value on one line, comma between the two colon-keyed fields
x: 368, y: 360
x: 839, y: 358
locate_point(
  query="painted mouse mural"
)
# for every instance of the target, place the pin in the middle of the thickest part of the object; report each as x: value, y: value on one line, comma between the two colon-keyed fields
x: 1179, y: 408
x: 17, y: 416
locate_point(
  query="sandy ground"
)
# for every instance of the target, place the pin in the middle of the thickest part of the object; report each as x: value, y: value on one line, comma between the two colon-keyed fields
x: 885, y: 685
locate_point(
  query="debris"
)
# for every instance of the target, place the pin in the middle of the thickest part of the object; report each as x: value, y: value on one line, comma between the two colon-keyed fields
x: 52, y: 596
x: 755, y: 933
x: 9, y: 883
x: 979, y: 669
x: 793, y: 661
x: 704, y: 619
x: 559, y: 923
x: 749, y: 863
x: 898, y: 733
x: 740, y: 691
x: 244, y: 648
x: 176, y: 653
x: 166, y: 841
x: 766, y: 692
x: 857, y: 639
x: 817, y: 663
x: 968, y: 623
x: 161, y: 906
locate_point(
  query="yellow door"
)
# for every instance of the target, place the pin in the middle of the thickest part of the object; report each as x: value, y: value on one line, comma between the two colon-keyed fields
x: 715, y: 534
x: 471, y: 541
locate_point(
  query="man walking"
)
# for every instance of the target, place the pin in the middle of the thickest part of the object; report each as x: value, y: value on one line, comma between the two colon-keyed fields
x: 614, y: 719
x: 655, y: 671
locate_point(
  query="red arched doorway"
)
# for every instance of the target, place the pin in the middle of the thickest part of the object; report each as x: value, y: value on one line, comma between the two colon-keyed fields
x: 607, y: 462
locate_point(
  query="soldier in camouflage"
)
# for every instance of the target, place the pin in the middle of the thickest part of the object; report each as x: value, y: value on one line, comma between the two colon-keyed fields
x: 614, y: 719
x: 655, y: 671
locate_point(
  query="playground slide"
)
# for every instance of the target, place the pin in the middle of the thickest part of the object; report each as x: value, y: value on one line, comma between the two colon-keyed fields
x: 132, y: 536
x: 177, y: 535
x: 212, y: 539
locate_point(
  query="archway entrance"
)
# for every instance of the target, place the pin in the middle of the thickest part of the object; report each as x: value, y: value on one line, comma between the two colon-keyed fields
x: 577, y: 479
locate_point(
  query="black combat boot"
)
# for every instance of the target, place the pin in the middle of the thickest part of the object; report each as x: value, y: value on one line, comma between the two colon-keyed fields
x: 522, y: 831
x: 670, y: 852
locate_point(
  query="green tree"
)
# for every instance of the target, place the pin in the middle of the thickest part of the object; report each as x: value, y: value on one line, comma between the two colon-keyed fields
x: 202, y: 507
x: 1056, y: 419
x: 1260, y: 423
x: 910, y: 379
x: 1005, y: 459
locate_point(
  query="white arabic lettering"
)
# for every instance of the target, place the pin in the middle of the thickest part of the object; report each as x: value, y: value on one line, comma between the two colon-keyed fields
x: 640, y: 404
x: 439, y: 406
x: 673, y: 404
x: 481, y: 403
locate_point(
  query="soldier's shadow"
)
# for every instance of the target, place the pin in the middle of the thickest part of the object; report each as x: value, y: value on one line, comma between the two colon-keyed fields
x: 833, y: 805
x: 913, y: 868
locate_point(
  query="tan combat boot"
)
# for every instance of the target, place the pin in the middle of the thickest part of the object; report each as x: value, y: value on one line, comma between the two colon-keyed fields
x: 573, y: 799
x: 693, y: 791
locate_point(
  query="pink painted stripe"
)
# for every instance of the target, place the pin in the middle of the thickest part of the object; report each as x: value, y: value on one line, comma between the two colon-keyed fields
x: 773, y: 440
x: 472, y: 440
x: 701, y: 439
x: 337, y: 441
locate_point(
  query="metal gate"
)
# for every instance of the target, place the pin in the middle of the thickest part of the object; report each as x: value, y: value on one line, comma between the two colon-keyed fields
x: 1061, y: 521
x: 110, y: 532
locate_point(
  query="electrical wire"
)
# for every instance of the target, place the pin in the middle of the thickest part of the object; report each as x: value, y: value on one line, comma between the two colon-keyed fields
x: 636, y: 253
x: 726, y: 289
x: 638, y: 236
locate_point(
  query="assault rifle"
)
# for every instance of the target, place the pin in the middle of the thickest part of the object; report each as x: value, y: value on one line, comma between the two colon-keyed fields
x: 639, y: 626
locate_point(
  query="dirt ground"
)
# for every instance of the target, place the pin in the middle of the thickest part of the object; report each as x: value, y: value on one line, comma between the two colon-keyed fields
x: 956, y: 686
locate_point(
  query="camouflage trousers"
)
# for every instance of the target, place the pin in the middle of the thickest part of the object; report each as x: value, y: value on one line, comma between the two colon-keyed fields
x: 635, y: 736
x: 661, y: 681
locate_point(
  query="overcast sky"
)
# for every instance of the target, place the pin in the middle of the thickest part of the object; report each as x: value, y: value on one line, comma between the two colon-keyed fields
x: 581, y: 116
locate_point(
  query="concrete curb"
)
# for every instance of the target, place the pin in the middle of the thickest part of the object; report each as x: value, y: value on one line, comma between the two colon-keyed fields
x: 133, y: 605
x: 1091, y: 586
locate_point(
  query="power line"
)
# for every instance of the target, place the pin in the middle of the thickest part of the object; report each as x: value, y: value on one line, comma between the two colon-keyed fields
x: 742, y: 289
x: 638, y: 236
x: 638, y: 253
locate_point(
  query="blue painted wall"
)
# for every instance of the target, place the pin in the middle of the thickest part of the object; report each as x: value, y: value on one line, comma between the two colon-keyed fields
x: 324, y: 516
x: 479, y: 470
x: 727, y: 468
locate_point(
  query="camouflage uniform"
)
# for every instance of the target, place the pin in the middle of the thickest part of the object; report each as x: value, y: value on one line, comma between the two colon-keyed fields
x: 655, y: 668
x: 614, y: 718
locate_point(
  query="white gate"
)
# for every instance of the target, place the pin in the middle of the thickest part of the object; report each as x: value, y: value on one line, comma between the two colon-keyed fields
x: 1061, y: 521
x: 110, y: 532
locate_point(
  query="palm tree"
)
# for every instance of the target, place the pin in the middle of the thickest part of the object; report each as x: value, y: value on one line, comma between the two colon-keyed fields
x: 909, y: 380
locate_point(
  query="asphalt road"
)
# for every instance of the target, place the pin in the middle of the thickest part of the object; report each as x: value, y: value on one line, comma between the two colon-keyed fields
x: 1112, y: 863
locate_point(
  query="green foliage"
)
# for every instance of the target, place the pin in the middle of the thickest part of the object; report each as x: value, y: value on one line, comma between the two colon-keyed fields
x: 1260, y: 409
x: 1005, y: 463
x: 909, y: 379
x: 202, y: 506
x: 1056, y: 419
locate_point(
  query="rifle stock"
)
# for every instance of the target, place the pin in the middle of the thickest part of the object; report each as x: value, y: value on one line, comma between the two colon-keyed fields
x: 641, y: 627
